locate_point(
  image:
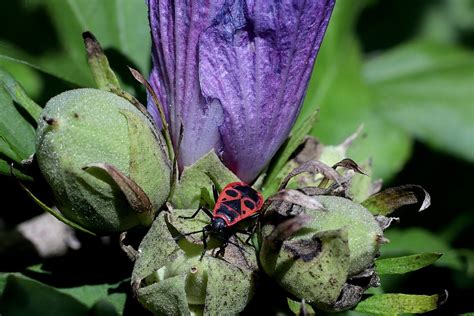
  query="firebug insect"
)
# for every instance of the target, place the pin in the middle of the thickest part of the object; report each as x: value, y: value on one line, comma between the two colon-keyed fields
x: 236, y: 202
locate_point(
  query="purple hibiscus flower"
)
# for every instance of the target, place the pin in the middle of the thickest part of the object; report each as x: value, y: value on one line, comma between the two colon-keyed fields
x: 234, y: 73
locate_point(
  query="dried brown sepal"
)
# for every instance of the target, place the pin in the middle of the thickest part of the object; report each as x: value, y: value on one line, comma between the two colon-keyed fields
x: 166, y: 132
x: 355, y: 287
x: 386, y: 222
x: 314, y: 167
x: 134, y: 194
x: 131, y: 252
x: 389, y: 200
x: 346, y: 163
x: 311, y: 191
x: 140, y: 78
x: 102, y: 73
x: 442, y: 298
x: 130, y: 98
x: 349, y: 164
x: 298, y: 198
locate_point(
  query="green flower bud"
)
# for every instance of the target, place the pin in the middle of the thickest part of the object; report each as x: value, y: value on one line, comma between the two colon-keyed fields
x: 364, y: 233
x: 313, y: 253
x: 104, y: 160
x: 171, y: 278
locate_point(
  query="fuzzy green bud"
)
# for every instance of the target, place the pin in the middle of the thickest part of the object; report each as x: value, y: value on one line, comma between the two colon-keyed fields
x: 327, y: 247
x: 171, y: 277
x: 104, y: 160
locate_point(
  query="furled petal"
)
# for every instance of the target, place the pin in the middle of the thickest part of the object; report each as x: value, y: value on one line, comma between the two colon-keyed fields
x: 234, y: 73
x: 256, y: 62
x: 175, y: 28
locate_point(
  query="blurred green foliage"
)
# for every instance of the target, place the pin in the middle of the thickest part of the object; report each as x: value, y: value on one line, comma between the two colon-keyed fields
x: 47, y: 300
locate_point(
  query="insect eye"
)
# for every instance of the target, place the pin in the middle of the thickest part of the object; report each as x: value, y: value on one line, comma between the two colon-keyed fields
x: 231, y: 193
x: 249, y: 204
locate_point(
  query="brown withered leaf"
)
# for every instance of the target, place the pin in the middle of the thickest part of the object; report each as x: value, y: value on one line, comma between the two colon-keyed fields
x: 314, y: 191
x: 346, y: 163
x: 131, y: 253
x: 349, y: 164
x: 134, y: 194
x: 355, y: 287
x: 386, y: 222
x: 314, y: 167
x: 298, y: 198
x: 140, y: 78
x: 389, y: 200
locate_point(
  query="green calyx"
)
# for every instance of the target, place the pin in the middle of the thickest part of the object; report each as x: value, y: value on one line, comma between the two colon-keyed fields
x: 103, y: 159
x: 170, y: 277
x: 315, y: 253
x: 364, y: 233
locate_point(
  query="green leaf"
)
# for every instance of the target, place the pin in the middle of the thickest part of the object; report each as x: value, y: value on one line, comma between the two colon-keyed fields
x: 89, y: 295
x: 55, y: 64
x: 119, y: 24
x: 103, y: 308
x: 418, y: 240
x: 18, y: 94
x: 29, y: 78
x: 295, y: 307
x: 17, y: 135
x: 23, y: 296
x: 390, y: 199
x: 337, y: 87
x: 5, y: 169
x: 394, y: 304
x: 401, y: 265
x: 426, y: 89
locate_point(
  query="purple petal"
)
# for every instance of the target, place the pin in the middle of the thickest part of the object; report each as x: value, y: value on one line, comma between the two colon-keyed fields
x: 255, y: 61
x: 176, y: 27
x: 234, y: 73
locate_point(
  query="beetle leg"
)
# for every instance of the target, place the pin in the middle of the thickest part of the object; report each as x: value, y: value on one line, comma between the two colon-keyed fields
x: 205, y: 210
x: 204, y: 243
x: 249, y: 234
x: 221, y: 251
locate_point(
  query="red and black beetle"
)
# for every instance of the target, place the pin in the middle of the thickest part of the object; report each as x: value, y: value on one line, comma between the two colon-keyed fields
x: 236, y: 202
